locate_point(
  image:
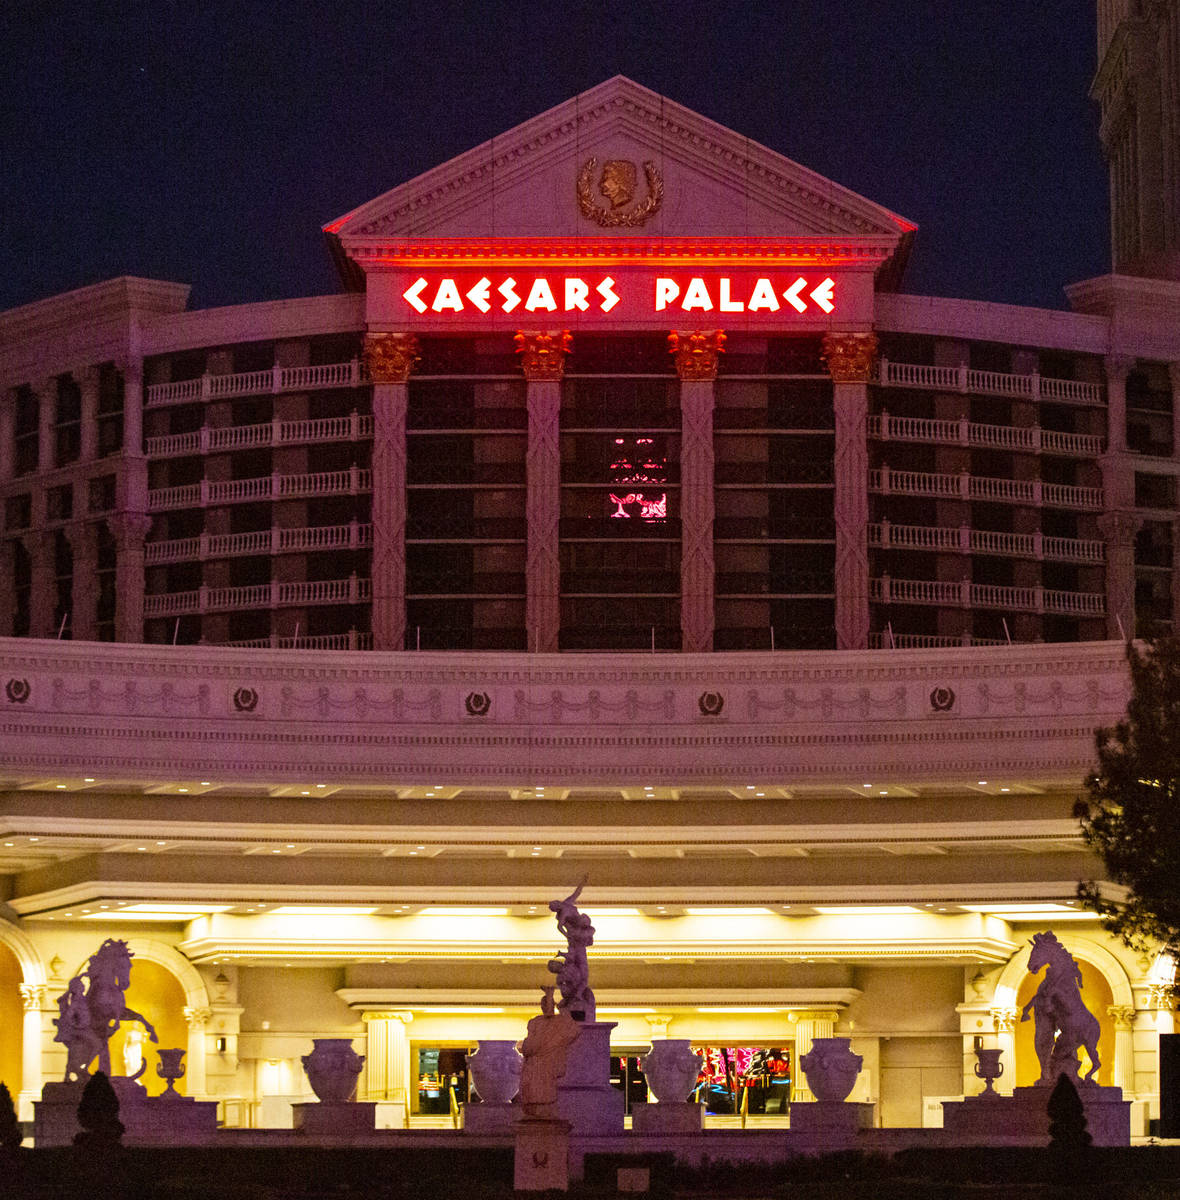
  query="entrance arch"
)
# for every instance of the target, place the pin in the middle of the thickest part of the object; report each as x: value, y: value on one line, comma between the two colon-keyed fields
x: 23, y: 1000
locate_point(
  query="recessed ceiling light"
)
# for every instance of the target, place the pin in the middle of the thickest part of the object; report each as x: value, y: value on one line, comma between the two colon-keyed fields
x: 88, y: 779
x: 141, y: 847
x: 182, y: 789
x: 8, y: 843
x: 305, y: 793
x: 321, y: 785
x: 161, y: 843
x: 290, y: 845
x: 61, y: 787
x: 866, y: 785
x: 1005, y: 789
x: 276, y: 852
x: 33, y: 839
x: 413, y: 853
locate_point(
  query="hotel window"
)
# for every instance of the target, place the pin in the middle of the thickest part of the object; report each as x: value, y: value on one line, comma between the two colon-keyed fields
x: 25, y: 431
x: 18, y: 511
x: 68, y: 421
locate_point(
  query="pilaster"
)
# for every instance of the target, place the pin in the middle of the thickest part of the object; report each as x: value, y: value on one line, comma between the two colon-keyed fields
x: 387, y: 1058
x: 1123, y: 1068
x: 1119, y: 529
x: 808, y: 1027
x: 34, y: 997
x: 696, y: 354
x: 130, y: 530
x: 46, y: 418
x: 84, y: 618
x: 542, y: 359
x: 194, y: 1073
x: 7, y: 434
x: 389, y: 357
x: 850, y: 358
x: 42, y: 595
x: 88, y: 380
x: 133, y: 480
x: 1004, y: 1020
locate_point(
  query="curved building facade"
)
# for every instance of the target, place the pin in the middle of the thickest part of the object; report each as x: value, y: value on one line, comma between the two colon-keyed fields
x: 621, y: 517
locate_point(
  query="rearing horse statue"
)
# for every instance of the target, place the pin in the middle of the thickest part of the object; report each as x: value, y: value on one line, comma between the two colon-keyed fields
x: 88, y: 1016
x: 1062, y: 1021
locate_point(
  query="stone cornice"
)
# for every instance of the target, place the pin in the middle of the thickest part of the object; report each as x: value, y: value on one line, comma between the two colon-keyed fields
x: 161, y: 712
x: 368, y: 998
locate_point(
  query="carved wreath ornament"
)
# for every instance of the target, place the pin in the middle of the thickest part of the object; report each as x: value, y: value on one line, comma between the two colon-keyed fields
x: 245, y: 699
x: 617, y: 184
x: 477, y: 704
x: 17, y: 690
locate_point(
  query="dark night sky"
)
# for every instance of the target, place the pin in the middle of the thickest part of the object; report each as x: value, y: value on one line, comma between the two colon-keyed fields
x: 208, y: 142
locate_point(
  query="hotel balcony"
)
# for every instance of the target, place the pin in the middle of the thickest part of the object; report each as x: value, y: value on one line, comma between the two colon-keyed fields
x: 231, y: 438
x: 994, y: 489
x: 884, y: 535
x: 987, y: 383
x: 965, y: 594
x: 351, y: 482
x: 353, y: 590
x: 256, y: 383
x: 1032, y: 439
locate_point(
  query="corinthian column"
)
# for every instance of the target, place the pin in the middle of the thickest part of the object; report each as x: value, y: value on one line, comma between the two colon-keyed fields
x: 389, y: 358
x: 542, y: 358
x: 696, y: 354
x: 850, y: 358
x: 1123, y: 1068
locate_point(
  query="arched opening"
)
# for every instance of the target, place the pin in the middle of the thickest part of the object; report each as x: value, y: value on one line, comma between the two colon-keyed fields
x: 157, y: 994
x: 1097, y: 997
x: 11, y: 1022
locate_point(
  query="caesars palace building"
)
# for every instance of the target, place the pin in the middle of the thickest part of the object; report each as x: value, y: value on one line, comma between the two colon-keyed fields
x: 622, y: 516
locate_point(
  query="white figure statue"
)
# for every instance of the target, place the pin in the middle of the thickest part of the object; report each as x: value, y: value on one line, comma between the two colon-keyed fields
x: 571, y: 966
x: 1062, y: 1022
x: 133, y: 1064
x: 544, y: 1049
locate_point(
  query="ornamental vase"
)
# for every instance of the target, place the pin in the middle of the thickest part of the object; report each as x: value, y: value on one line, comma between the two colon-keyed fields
x: 831, y: 1068
x: 171, y: 1068
x: 495, y: 1070
x: 332, y: 1068
x: 671, y: 1069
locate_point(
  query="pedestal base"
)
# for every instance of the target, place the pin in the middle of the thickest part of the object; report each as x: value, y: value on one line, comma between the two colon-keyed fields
x: 831, y: 1122
x: 489, y: 1118
x: 1024, y: 1116
x: 541, y: 1160
x: 668, y: 1117
x: 335, y: 1118
x: 585, y: 1097
x: 147, y: 1120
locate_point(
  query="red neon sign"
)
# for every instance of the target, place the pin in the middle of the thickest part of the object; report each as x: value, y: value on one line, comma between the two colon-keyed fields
x: 633, y: 293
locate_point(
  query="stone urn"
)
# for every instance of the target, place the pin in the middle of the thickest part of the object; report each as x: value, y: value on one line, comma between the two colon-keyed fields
x: 332, y: 1068
x: 671, y: 1069
x: 494, y: 1069
x: 171, y: 1068
x: 831, y: 1068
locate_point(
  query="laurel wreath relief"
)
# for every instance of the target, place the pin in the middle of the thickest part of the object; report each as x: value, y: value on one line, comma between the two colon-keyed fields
x: 604, y: 216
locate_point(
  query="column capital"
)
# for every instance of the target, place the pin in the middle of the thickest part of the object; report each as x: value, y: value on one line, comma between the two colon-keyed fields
x: 130, y: 526
x: 402, y: 1015
x: 32, y: 996
x: 542, y: 355
x: 1119, y: 527
x: 817, y: 1015
x: 851, y: 357
x: 1004, y: 1019
x: 197, y: 1017
x: 696, y: 352
x: 1123, y: 1015
x: 88, y: 376
x: 1118, y: 366
x: 658, y: 1023
x: 1161, y: 996
x: 390, y: 357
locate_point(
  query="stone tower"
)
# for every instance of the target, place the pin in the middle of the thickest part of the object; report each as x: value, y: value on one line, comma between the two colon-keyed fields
x: 1138, y: 88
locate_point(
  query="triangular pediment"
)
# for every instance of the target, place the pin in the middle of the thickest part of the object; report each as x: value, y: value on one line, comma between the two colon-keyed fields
x: 689, y: 177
